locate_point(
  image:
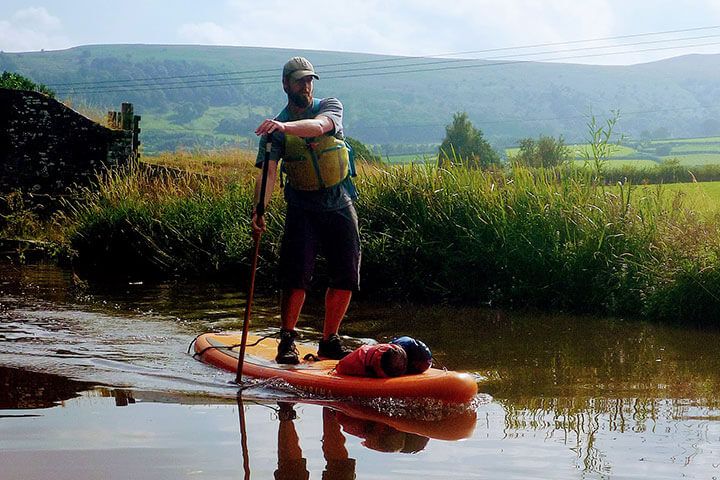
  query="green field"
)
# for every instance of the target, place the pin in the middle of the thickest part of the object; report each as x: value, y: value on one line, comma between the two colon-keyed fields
x: 410, y: 158
x: 622, y: 162
x: 687, y: 151
x: 701, y: 197
x: 690, y: 140
x: 695, y: 159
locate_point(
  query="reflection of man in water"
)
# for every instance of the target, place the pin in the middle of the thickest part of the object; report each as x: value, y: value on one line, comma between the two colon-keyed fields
x: 338, y: 466
x: 292, y: 465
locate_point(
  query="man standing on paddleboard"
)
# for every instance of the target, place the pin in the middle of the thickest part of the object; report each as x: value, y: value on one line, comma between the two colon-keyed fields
x: 321, y: 218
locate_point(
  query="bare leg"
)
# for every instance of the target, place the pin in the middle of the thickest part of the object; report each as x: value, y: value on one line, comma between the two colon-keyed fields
x: 290, y: 307
x: 336, y: 305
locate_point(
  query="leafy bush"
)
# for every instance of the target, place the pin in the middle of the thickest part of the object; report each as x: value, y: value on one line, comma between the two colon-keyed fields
x: 543, y: 152
x: 15, y: 81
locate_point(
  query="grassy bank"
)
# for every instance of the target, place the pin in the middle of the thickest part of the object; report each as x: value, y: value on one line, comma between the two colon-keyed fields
x: 149, y: 221
x: 519, y: 239
x: 570, y: 244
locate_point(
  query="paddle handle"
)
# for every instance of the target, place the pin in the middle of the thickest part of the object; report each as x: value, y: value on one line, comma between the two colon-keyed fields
x: 260, y: 208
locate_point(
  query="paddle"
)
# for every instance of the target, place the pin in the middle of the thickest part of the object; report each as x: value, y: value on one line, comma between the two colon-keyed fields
x: 243, y: 437
x: 260, y: 210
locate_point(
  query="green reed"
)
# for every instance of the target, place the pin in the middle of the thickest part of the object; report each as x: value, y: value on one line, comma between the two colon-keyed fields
x: 547, y: 238
x: 555, y: 238
x: 140, y: 221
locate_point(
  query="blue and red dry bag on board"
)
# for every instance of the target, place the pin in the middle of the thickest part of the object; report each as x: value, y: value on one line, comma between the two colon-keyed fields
x: 419, y: 356
x: 381, y: 360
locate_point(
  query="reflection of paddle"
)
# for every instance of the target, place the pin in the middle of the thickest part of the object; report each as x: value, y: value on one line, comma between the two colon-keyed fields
x: 243, y: 437
x: 260, y: 211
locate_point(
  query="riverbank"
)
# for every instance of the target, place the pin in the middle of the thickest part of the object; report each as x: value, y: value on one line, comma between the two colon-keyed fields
x: 551, y: 239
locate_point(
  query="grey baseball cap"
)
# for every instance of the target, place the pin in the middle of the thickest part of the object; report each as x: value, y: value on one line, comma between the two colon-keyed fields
x: 298, y: 67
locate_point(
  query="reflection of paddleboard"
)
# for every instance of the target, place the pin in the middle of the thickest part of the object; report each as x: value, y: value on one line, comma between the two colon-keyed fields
x: 454, y: 426
x: 320, y: 377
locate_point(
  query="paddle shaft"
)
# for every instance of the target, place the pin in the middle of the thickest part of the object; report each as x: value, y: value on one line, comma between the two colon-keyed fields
x: 260, y: 211
x: 243, y: 437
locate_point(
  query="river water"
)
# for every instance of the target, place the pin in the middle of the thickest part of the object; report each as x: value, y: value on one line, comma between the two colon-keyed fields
x: 96, y: 382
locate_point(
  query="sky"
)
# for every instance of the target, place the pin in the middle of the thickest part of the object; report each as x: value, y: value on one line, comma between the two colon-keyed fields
x: 396, y: 27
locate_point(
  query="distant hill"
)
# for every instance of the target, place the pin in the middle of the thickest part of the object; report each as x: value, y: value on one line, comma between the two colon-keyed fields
x: 187, y: 97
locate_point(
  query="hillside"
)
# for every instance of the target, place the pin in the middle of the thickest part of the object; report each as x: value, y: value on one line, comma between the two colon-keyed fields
x: 186, y: 96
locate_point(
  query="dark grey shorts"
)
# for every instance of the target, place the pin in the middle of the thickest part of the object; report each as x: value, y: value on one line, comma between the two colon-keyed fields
x: 334, y: 234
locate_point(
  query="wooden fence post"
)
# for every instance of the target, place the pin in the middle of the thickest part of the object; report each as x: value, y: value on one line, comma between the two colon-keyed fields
x: 136, y: 136
x: 126, y: 116
x: 128, y: 122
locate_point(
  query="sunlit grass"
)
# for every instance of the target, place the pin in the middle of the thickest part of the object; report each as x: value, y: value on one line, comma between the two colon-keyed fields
x: 695, y: 158
x: 230, y: 164
x: 150, y: 221
x: 556, y: 238
x: 700, y: 197
x: 544, y: 238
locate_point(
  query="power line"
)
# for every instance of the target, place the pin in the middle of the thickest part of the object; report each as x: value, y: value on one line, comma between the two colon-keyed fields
x: 398, y: 59
x: 545, y: 119
x: 525, y: 62
x: 172, y: 77
x: 570, y: 42
x: 650, y: 42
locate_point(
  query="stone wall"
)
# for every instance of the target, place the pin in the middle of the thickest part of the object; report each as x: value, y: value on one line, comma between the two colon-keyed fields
x: 46, y: 147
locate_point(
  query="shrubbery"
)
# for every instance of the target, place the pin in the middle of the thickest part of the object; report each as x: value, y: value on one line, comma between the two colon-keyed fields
x: 15, y: 81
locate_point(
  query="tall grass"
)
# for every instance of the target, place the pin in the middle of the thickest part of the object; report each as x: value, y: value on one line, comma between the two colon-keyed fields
x: 555, y: 239
x: 140, y: 221
x: 542, y: 238
x: 229, y: 164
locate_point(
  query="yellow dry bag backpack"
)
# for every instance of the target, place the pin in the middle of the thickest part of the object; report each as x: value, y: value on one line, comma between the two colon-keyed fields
x: 312, y: 164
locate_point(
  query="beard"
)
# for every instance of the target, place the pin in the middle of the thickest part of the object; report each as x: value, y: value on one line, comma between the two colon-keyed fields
x: 300, y: 100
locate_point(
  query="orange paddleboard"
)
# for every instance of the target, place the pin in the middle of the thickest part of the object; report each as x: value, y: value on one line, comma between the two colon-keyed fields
x: 320, y: 377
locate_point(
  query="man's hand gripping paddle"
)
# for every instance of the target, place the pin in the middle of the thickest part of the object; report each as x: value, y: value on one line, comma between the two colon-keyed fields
x: 260, y: 211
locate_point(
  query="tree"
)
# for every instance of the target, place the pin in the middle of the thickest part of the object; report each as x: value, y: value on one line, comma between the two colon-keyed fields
x: 15, y: 81
x: 362, y: 152
x: 660, y: 133
x: 186, y: 112
x: 710, y: 126
x: 543, y: 152
x: 242, y: 126
x: 464, y: 143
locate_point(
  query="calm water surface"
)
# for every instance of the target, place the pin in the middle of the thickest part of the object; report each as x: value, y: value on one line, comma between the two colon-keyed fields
x: 96, y: 382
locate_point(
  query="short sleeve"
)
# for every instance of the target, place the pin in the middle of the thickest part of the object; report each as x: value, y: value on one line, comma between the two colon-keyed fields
x: 333, y: 109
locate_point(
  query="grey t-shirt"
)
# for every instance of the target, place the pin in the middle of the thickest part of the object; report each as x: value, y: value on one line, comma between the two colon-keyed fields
x: 332, y: 198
